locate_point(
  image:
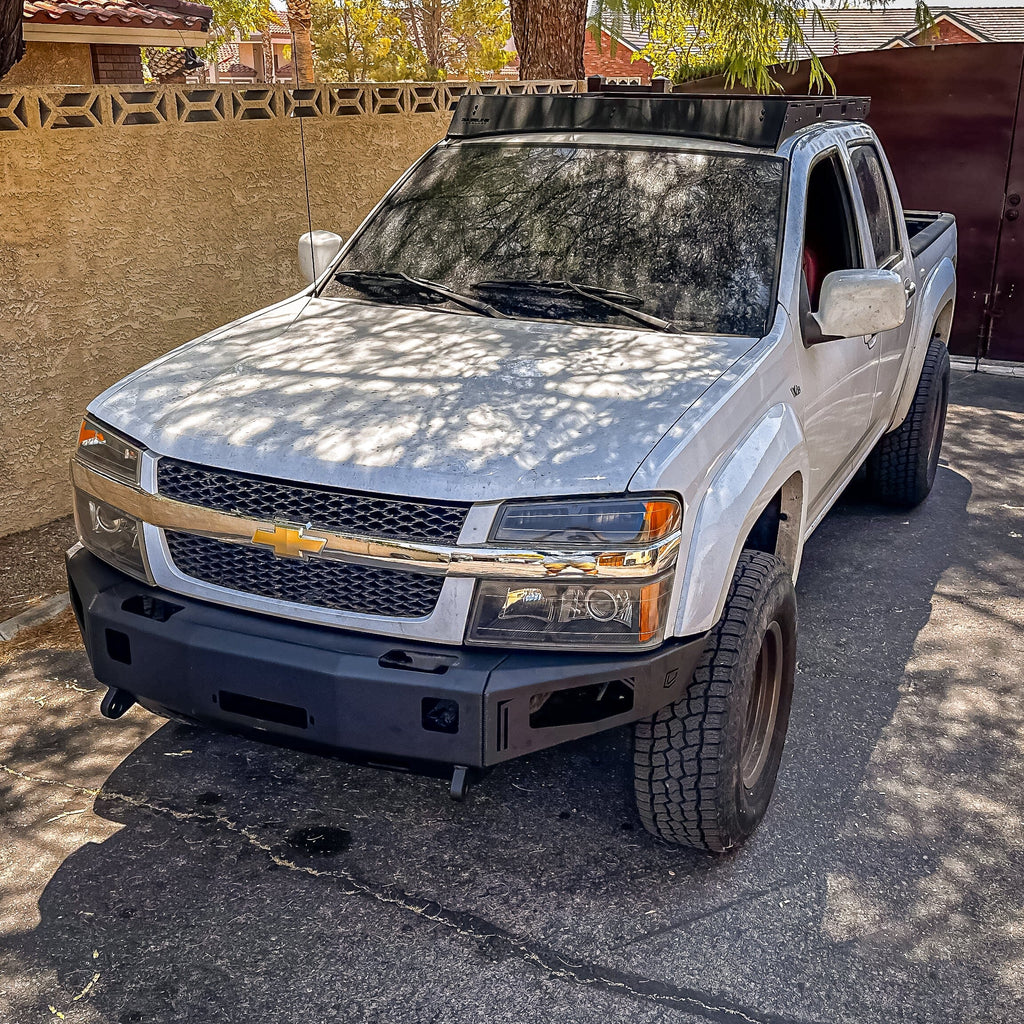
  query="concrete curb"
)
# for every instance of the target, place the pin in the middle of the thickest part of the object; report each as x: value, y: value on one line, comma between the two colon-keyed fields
x: 995, y: 367
x: 33, y: 616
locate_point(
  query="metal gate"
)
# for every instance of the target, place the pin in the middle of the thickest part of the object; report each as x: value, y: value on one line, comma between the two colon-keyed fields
x: 952, y: 123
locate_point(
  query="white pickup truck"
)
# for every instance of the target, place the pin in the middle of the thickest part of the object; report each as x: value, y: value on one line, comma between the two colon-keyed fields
x: 536, y: 453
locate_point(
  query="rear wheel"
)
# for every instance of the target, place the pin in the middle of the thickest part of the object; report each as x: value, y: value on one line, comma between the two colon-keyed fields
x: 705, y: 766
x: 901, y: 469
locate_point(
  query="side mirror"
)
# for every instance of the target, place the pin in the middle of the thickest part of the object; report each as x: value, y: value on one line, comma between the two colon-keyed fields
x: 316, y: 250
x: 860, y: 302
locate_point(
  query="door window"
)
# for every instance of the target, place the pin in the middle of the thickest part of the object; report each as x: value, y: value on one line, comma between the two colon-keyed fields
x: 830, y: 234
x: 885, y: 239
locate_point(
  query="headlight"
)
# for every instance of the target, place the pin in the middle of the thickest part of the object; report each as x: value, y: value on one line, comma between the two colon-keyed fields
x: 598, y: 616
x: 107, y: 531
x: 111, y: 535
x: 107, y: 452
x: 598, y: 612
x: 588, y: 524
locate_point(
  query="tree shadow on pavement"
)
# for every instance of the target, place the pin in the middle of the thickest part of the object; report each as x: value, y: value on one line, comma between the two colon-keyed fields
x: 883, y: 884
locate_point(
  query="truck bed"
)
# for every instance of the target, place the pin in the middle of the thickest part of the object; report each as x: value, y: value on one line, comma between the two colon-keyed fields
x: 925, y: 227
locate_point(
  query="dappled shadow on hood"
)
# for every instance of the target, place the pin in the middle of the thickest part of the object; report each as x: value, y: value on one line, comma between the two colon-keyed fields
x: 424, y: 403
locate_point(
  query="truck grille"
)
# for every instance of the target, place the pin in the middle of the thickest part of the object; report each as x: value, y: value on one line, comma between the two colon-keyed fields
x: 342, y: 586
x: 328, y: 508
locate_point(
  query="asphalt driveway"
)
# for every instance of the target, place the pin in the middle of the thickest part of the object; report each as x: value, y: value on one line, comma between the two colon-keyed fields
x: 156, y: 873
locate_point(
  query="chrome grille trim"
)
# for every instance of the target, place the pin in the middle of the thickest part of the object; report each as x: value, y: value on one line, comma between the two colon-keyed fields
x: 490, y: 561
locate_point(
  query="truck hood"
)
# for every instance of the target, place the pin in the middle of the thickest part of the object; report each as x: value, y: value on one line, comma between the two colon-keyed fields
x: 414, y: 402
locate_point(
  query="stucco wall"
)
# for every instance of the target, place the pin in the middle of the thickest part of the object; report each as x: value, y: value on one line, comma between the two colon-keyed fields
x: 43, y: 63
x: 120, y: 242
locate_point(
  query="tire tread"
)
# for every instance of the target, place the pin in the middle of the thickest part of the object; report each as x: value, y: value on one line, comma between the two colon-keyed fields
x: 896, y: 468
x: 676, y: 767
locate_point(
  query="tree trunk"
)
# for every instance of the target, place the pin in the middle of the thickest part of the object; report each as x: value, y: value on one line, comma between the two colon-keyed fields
x: 549, y: 36
x: 267, y: 49
x: 432, y: 37
x: 300, y: 18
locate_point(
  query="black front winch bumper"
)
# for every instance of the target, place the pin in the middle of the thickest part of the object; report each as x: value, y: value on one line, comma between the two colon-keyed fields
x: 369, y: 698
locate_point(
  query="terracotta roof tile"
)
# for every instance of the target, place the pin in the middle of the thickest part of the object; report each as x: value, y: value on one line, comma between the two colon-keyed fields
x: 163, y: 14
x: 230, y: 64
x: 278, y: 27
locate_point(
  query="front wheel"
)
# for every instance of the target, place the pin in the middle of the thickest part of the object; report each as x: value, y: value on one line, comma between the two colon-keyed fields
x: 705, y: 766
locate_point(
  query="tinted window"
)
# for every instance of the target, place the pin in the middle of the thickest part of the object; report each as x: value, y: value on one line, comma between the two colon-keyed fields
x: 690, y: 237
x: 877, y: 202
x: 831, y: 241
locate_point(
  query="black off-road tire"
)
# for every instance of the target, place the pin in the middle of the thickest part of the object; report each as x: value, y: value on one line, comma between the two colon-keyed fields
x: 703, y: 778
x: 901, y: 468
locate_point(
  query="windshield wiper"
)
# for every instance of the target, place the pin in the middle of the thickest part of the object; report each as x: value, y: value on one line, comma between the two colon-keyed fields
x: 372, y: 282
x: 595, y: 293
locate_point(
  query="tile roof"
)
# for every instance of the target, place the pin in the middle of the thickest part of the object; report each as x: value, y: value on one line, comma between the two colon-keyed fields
x: 865, y: 29
x: 229, y: 62
x: 279, y: 24
x: 162, y: 14
x: 632, y: 38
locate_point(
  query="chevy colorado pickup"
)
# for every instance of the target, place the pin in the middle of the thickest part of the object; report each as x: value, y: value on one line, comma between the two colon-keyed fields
x: 536, y: 452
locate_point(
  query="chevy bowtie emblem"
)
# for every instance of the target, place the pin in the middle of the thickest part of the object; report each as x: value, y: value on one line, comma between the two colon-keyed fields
x: 288, y: 542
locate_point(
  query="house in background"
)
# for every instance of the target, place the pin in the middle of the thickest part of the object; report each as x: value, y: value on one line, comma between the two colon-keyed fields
x: 82, y: 42
x: 854, y: 31
x: 242, y: 60
x: 614, y: 57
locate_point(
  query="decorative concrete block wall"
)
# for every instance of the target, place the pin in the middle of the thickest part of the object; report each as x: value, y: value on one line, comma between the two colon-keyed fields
x: 132, y: 220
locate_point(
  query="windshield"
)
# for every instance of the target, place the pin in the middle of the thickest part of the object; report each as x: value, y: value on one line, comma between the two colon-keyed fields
x: 570, y: 232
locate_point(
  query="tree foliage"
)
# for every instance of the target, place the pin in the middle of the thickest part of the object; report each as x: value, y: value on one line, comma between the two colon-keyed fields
x: 362, y: 41
x: 740, y: 39
x: 424, y: 40
x: 741, y: 48
x: 233, y: 18
x: 458, y: 38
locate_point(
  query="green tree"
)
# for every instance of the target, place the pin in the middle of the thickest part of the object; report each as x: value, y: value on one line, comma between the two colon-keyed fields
x: 741, y: 39
x: 458, y: 38
x: 362, y: 41
x: 394, y: 40
x: 234, y: 18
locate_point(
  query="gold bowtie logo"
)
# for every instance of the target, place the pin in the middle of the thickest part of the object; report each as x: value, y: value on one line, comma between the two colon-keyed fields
x: 288, y: 542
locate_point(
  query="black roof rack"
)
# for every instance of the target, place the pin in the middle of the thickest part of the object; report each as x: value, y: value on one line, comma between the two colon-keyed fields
x: 762, y: 121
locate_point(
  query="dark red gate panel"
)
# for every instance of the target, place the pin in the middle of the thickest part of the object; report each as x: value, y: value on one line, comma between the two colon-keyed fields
x: 945, y: 115
x: 1006, y: 304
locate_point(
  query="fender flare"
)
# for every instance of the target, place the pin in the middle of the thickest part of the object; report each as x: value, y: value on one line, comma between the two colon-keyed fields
x: 772, y: 452
x: 938, y: 293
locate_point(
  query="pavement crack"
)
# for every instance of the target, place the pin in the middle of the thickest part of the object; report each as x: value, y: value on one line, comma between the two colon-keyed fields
x: 468, y: 925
